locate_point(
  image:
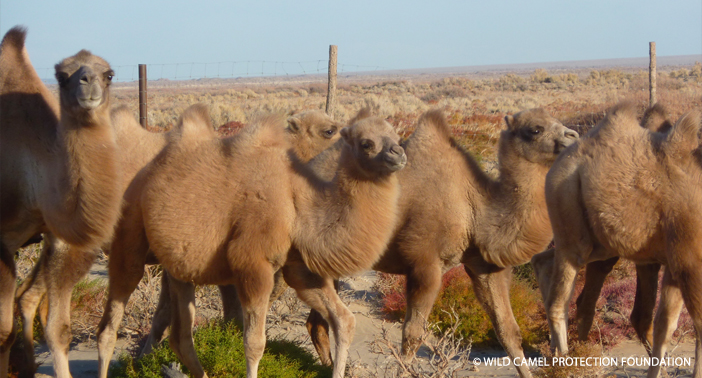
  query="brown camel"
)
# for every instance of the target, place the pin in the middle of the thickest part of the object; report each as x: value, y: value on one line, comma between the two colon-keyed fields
x: 655, y: 119
x: 59, y: 176
x: 244, y: 207
x: 310, y: 132
x: 624, y: 191
x: 451, y: 212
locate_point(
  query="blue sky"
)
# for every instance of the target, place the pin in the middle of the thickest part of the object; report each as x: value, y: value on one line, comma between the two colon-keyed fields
x: 388, y: 34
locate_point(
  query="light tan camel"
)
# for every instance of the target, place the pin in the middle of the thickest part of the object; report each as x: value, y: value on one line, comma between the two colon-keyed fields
x: 655, y: 119
x: 310, y: 132
x: 243, y: 207
x: 451, y: 212
x: 59, y: 176
x: 135, y: 148
x: 625, y: 191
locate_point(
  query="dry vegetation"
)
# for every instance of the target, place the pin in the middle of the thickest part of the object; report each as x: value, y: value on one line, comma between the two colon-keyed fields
x: 475, y: 109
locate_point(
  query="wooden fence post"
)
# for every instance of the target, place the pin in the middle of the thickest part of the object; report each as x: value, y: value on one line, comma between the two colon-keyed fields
x: 142, y: 96
x: 331, y: 86
x: 652, y: 72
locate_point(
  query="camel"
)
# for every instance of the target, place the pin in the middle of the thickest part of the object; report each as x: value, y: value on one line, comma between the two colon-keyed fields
x: 310, y: 132
x: 59, y: 176
x: 244, y: 207
x: 624, y: 191
x: 655, y: 119
x: 451, y: 212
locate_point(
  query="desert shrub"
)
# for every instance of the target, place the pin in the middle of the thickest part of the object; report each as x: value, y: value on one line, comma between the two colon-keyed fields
x: 457, y: 293
x: 578, y: 349
x: 220, y: 348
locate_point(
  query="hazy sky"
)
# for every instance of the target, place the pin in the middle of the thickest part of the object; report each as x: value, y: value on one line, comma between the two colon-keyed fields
x: 388, y: 34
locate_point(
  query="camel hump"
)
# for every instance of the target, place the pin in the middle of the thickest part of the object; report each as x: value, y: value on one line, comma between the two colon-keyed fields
x: 683, y: 138
x: 432, y: 127
x: 14, y: 38
x: 621, y: 118
x: 656, y: 119
x: 194, y: 124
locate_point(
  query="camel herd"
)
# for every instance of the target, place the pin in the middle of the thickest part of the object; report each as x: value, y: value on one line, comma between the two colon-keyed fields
x: 305, y: 200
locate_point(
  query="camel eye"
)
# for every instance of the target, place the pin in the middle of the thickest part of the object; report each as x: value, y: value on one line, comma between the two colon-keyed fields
x: 109, y: 75
x: 536, y: 131
x: 367, y: 145
x: 329, y: 133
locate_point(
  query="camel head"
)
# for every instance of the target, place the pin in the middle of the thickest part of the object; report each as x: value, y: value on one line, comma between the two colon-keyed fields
x: 84, y: 81
x: 374, y: 145
x: 536, y: 136
x: 314, y: 132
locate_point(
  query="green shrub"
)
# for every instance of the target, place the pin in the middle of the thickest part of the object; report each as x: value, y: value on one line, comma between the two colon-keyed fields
x: 457, y: 293
x: 220, y: 348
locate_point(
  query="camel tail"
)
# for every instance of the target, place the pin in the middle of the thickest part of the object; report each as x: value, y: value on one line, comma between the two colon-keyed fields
x: 656, y: 119
x: 194, y: 124
x: 683, y: 138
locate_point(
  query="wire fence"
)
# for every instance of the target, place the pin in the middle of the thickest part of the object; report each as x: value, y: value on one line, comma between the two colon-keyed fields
x: 224, y: 70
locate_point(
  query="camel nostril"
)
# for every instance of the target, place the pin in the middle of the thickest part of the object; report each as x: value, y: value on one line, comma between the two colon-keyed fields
x: 572, y: 134
x: 397, y: 150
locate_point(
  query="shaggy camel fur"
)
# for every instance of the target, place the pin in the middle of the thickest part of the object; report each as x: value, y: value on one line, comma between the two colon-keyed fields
x: 451, y: 212
x: 310, y: 133
x: 244, y: 207
x: 655, y: 119
x: 59, y: 176
x: 625, y: 191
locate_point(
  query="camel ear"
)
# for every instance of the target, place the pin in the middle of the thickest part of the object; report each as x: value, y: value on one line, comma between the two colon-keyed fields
x: 509, y: 120
x: 345, y: 134
x: 363, y: 113
x: 294, y: 124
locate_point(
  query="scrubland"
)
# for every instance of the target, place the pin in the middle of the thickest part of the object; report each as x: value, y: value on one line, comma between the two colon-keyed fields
x: 475, y: 108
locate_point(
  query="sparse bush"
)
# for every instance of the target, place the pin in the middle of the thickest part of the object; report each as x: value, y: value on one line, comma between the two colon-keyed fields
x: 457, y: 292
x: 220, y: 348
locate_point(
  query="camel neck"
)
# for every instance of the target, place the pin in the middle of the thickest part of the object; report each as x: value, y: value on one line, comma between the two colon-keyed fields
x: 345, y: 225
x: 83, y: 202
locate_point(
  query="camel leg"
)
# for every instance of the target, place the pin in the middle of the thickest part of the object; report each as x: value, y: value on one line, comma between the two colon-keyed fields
x: 642, y: 314
x: 423, y: 285
x: 182, y: 321
x: 666, y: 319
x: 162, y: 316
x: 318, y: 328
x: 126, y: 269
x: 63, y: 271
x: 595, y: 274
x: 29, y: 296
x: 319, y: 293
x: 560, y: 290
x: 543, y: 268
x: 254, y: 290
x: 231, y: 306
x: 8, y: 280
x: 492, y: 290
x: 691, y: 287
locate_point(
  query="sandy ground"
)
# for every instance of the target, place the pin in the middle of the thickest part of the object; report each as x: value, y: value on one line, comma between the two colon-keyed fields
x: 288, y: 322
